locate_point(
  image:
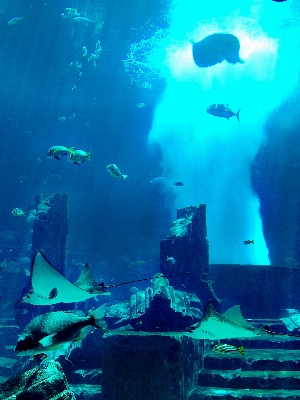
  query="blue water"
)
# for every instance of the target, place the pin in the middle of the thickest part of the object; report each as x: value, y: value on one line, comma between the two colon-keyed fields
x: 141, y: 104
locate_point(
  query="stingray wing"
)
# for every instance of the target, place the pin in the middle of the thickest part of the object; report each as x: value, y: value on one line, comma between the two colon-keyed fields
x: 235, y: 315
x: 87, y: 282
x: 215, y: 326
x: 45, y: 278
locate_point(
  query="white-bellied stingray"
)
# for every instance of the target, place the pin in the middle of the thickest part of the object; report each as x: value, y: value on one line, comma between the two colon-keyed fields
x: 215, y: 48
x: 51, y: 287
x: 215, y: 326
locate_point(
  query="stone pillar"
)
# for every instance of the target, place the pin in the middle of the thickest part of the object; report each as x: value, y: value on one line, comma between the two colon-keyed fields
x: 50, y: 228
x: 150, y: 366
x: 187, y: 244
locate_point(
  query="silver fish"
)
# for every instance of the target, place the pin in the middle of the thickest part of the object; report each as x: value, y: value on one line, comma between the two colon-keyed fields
x: 114, y: 171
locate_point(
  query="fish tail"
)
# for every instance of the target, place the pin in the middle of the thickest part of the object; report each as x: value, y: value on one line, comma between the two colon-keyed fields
x: 89, y: 155
x: 238, y: 115
x: 124, y: 177
x: 71, y: 150
x: 241, y: 350
x: 98, y: 318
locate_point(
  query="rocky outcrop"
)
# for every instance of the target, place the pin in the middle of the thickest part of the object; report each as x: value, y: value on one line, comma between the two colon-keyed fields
x: 38, y: 384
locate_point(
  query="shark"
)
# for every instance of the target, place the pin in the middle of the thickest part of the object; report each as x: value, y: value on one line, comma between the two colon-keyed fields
x: 230, y: 325
x: 49, y: 286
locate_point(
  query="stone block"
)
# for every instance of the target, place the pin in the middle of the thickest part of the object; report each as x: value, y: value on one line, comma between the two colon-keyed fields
x: 150, y: 366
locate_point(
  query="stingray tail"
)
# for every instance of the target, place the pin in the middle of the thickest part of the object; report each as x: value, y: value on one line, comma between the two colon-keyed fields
x: 98, y: 318
x: 238, y: 115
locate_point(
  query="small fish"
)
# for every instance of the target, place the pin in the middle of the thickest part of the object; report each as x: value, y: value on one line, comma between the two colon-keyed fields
x: 146, y: 85
x: 228, y: 348
x: 159, y: 180
x: 53, y: 293
x: 24, y: 260
x: 17, y: 212
x: 3, y: 265
x: 114, y: 171
x: 84, y: 20
x: 41, y: 360
x: 141, y: 105
x: 79, y: 156
x: 178, y: 183
x: 14, y: 21
x: 223, y: 111
x: 171, y: 259
x: 249, y: 241
x: 58, y: 151
x: 55, y: 330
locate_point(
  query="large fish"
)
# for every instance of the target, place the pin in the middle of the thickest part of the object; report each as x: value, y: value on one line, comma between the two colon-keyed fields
x: 223, y: 111
x: 52, y: 331
x: 215, y: 48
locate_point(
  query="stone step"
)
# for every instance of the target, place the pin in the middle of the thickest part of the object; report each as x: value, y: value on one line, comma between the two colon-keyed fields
x: 280, y: 342
x: 213, y: 393
x: 239, y: 379
x: 254, y: 359
x: 86, y: 392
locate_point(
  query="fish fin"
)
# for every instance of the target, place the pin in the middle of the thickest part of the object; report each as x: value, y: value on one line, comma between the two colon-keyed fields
x: 48, y: 340
x: 86, y: 281
x: 234, y: 315
x: 76, y: 163
x: 81, y: 335
x: 124, y: 178
x: 98, y: 318
x: 238, y: 115
x: 56, y: 157
x: 241, y: 350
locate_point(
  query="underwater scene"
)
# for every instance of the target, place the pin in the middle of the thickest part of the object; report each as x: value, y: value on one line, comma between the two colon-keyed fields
x: 150, y: 199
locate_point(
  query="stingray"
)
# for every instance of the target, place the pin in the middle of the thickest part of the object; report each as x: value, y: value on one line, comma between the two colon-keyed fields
x: 215, y: 326
x: 52, y: 287
x: 215, y: 48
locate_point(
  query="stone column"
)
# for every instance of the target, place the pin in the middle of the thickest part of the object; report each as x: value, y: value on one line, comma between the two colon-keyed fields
x: 187, y: 244
x: 50, y: 228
